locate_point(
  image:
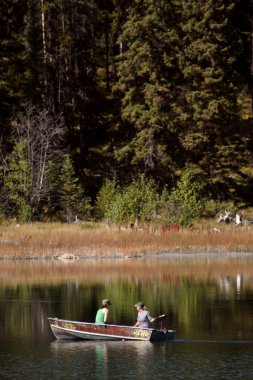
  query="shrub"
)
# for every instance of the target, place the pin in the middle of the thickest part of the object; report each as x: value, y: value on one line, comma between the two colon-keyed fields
x: 131, y: 203
x: 106, y: 201
x: 140, y: 199
x: 184, y: 203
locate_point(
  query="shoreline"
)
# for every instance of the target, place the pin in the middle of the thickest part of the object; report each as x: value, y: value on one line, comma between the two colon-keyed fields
x: 159, y: 256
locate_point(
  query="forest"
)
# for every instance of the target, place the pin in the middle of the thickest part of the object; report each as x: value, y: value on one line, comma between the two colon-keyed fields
x: 127, y: 110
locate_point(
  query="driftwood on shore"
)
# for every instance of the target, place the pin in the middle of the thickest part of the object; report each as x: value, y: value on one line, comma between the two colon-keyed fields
x: 228, y: 217
x: 66, y: 257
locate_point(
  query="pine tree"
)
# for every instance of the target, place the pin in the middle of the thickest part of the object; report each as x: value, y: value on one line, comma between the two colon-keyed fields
x: 11, y: 63
x: 76, y: 55
x: 71, y: 197
x: 17, y: 184
x: 33, y: 54
x: 244, y: 23
x: 149, y: 82
x: 211, y: 46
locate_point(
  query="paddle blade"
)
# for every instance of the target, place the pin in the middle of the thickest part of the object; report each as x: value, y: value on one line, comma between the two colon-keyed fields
x: 161, y: 316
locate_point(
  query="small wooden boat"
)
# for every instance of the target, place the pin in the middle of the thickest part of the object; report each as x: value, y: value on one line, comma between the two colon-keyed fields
x: 64, y: 329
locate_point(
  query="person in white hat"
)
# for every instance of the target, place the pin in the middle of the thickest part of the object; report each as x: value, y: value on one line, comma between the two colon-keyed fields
x: 102, y: 313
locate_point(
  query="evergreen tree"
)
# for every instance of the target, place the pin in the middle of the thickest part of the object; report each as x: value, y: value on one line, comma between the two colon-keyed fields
x: 246, y: 20
x: 76, y: 54
x: 149, y: 81
x: 71, y: 197
x: 17, y: 184
x: 33, y: 54
x: 141, y: 86
x: 11, y: 63
x: 211, y: 46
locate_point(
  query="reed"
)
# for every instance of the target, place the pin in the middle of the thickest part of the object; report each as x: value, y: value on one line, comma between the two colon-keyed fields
x: 94, y: 240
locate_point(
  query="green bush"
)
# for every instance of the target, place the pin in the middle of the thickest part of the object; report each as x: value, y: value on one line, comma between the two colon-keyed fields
x: 185, y: 202
x: 106, y: 203
x: 132, y: 203
x: 140, y: 201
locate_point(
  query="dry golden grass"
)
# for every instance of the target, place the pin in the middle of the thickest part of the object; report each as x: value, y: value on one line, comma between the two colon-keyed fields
x: 52, y: 240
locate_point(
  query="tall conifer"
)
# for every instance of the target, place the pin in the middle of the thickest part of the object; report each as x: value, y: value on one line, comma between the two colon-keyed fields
x: 33, y: 55
x: 211, y: 46
x: 11, y: 64
x: 149, y: 82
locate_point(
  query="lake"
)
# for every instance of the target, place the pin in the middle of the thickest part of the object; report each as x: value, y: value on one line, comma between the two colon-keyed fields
x: 208, y: 301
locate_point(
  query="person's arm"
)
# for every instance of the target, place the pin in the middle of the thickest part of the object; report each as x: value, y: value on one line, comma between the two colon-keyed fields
x: 136, y: 324
x: 150, y: 318
x: 106, y: 315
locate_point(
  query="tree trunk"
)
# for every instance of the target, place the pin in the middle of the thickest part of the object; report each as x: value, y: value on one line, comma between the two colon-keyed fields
x: 251, y: 66
x: 43, y: 28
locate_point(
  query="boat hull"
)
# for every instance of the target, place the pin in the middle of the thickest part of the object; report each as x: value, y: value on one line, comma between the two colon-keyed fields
x: 64, y: 329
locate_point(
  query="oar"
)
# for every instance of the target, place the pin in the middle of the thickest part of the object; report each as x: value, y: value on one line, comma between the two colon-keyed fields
x: 161, y: 316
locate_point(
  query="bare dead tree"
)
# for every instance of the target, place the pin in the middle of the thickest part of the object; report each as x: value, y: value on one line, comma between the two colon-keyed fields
x: 42, y: 133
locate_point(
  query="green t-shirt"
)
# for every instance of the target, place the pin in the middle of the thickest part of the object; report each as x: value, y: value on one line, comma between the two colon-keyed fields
x: 100, y: 317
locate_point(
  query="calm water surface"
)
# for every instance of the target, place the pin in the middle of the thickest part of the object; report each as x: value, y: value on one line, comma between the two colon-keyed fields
x: 210, y: 305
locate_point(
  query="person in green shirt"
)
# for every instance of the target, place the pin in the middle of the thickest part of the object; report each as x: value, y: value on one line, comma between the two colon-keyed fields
x: 102, y: 313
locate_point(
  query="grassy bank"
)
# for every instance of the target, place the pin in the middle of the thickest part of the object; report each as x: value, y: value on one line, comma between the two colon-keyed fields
x: 95, y: 240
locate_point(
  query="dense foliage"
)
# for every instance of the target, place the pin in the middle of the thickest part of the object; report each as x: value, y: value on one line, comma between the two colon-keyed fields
x: 146, y: 94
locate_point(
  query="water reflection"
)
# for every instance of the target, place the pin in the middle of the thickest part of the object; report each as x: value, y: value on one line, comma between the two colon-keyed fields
x: 99, y: 356
x: 164, y: 360
x: 208, y: 302
x: 101, y: 361
x: 201, y: 299
x: 136, y: 270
